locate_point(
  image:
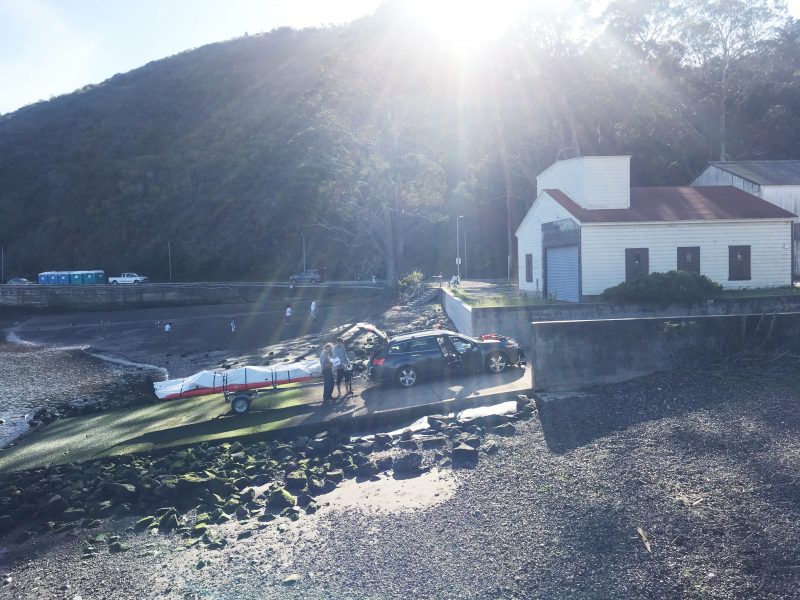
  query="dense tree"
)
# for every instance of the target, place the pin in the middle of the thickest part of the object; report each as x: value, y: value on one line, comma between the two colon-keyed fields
x: 367, y: 140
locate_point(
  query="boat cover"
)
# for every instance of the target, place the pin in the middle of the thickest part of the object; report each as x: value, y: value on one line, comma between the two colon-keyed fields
x: 243, y: 378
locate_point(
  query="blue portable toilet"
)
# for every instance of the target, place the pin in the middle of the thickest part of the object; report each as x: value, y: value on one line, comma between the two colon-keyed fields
x: 76, y: 277
x: 43, y: 278
x: 63, y: 278
x: 98, y: 276
x: 52, y: 278
x: 87, y: 277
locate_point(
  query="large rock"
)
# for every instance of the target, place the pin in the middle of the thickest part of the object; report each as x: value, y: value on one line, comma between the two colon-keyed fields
x: 470, y: 440
x: 436, y: 422
x: 316, y: 485
x: 72, y: 514
x: 465, y: 455
x: 506, y: 429
x: 168, y: 522
x: 433, y: 441
x: 101, y: 509
x: 296, y: 481
x: 335, y: 475
x: 119, y: 491
x: 55, y: 505
x: 367, y: 469
x: 408, y: 464
x: 280, y: 498
x: 382, y: 441
x: 6, y: 523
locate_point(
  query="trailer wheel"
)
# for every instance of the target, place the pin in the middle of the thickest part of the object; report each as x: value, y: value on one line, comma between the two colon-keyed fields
x: 240, y: 404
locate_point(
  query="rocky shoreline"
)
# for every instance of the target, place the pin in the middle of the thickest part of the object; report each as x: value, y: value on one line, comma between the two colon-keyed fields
x: 189, y: 491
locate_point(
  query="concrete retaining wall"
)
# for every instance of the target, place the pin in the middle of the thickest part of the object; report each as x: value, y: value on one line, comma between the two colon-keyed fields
x: 458, y: 312
x: 570, y: 355
x: 152, y: 294
x: 514, y: 321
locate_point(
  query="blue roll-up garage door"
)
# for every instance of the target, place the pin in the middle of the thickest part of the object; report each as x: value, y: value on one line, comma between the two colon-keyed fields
x: 562, y: 273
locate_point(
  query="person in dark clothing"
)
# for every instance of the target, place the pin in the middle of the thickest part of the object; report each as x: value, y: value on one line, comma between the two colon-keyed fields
x: 343, y: 368
x: 326, y: 362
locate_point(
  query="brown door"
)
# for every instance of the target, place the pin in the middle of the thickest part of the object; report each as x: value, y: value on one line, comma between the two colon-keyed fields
x: 637, y: 263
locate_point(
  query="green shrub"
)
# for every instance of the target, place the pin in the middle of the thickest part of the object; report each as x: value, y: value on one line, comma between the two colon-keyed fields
x: 410, y: 286
x: 672, y: 287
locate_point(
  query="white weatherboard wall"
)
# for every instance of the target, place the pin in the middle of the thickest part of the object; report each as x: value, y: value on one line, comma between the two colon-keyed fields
x: 591, y: 181
x: 713, y: 175
x: 785, y: 196
x: 603, y: 250
x: 529, y: 238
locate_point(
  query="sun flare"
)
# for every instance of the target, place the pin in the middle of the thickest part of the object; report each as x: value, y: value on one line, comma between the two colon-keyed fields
x: 467, y: 25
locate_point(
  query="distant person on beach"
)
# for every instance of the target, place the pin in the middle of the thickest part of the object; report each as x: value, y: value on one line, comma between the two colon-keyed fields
x: 313, y: 310
x: 288, y: 314
x: 326, y: 362
x: 342, y: 369
x: 233, y: 325
x: 167, y: 327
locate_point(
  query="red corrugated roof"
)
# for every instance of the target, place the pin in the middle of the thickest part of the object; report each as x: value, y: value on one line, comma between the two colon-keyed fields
x: 707, y: 203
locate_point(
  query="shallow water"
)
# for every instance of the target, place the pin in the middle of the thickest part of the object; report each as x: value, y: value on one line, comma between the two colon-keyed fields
x: 39, y: 376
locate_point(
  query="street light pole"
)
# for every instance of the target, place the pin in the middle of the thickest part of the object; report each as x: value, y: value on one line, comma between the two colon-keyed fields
x: 304, y: 253
x: 465, y: 254
x: 169, y: 258
x: 458, y: 250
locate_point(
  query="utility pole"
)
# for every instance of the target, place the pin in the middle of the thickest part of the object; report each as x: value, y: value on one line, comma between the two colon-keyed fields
x: 458, y: 250
x: 304, y: 253
x: 2, y: 263
x: 465, y: 254
x: 169, y: 258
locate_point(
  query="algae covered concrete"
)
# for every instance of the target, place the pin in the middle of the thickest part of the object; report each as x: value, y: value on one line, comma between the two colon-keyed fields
x: 161, y: 425
x: 191, y: 421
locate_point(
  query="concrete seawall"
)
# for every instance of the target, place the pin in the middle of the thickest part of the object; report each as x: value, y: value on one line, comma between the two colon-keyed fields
x: 570, y: 355
x: 156, y: 294
x: 514, y: 321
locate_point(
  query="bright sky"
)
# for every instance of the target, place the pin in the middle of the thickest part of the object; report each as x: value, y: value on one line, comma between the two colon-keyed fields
x: 52, y: 47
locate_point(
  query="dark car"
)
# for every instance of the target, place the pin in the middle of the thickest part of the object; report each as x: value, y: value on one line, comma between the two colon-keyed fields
x: 20, y: 281
x: 405, y: 359
x: 310, y: 276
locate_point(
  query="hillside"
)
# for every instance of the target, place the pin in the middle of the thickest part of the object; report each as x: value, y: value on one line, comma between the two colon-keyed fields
x: 368, y: 139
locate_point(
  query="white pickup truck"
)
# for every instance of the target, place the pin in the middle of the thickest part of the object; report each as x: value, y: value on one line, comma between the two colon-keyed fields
x: 128, y: 278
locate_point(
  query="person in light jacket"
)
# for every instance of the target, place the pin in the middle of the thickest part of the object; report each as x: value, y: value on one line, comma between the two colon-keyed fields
x: 343, y: 367
x: 326, y: 362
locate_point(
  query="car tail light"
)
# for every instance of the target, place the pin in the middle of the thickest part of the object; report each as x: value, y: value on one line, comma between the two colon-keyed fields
x: 378, y: 362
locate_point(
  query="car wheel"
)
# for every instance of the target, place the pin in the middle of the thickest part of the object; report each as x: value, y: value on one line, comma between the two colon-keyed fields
x: 406, y: 376
x: 497, y: 362
x: 240, y: 404
x: 137, y: 281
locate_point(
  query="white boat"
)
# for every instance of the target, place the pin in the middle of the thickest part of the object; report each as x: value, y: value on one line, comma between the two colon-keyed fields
x: 237, y: 380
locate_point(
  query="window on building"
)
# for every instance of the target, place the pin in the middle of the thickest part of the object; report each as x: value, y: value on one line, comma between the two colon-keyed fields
x: 689, y: 259
x: 738, y: 263
x: 529, y: 268
x: 637, y: 263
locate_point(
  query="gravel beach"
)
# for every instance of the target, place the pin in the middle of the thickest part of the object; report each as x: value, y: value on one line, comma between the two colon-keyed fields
x: 688, y: 489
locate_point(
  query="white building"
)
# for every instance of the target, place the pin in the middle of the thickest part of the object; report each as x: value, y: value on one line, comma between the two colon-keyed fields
x: 776, y: 181
x: 589, y: 230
